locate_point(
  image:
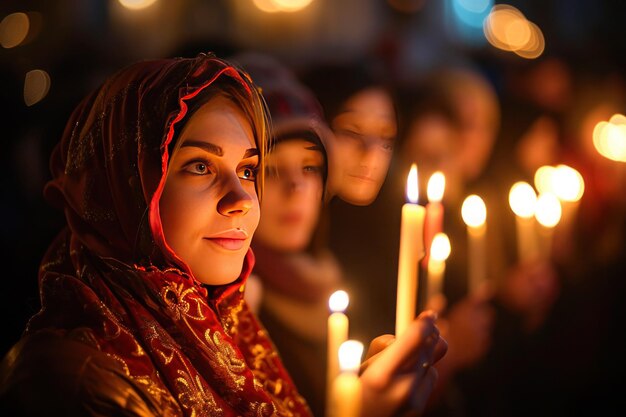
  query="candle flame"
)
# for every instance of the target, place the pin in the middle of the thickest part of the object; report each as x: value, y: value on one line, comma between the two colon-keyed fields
x: 440, y: 248
x: 548, y: 212
x: 609, y: 138
x: 436, y: 186
x: 567, y: 183
x: 350, y: 353
x: 338, y: 301
x: 474, y: 211
x: 412, y: 185
x: 523, y: 199
x: 543, y: 179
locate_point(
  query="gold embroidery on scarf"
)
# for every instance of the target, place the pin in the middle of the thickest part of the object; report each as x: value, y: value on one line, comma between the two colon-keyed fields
x: 230, y: 318
x: 193, y: 395
x: 178, y: 302
x: 161, y: 395
x: 225, y: 361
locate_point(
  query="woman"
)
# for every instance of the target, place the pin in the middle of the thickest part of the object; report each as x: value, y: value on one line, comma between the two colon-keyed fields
x: 359, y: 106
x: 142, y: 294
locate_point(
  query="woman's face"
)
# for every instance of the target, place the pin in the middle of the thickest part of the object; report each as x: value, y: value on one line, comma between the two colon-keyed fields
x: 365, y: 132
x: 292, y: 195
x: 209, y: 207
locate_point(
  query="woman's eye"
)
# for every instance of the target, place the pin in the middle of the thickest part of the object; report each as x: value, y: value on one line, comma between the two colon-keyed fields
x: 198, y: 168
x: 314, y: 169
x: 388, y: 145
x: 249, y: 173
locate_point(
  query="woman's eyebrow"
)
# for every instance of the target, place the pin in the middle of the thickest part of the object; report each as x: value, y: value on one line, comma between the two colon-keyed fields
x: 251, y: 152
x: 207, y: 146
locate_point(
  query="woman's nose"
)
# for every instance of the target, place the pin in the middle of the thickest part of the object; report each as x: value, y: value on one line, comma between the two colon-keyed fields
x: 236, y: 200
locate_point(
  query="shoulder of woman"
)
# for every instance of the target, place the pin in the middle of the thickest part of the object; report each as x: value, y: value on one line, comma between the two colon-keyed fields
x: 47, y: 373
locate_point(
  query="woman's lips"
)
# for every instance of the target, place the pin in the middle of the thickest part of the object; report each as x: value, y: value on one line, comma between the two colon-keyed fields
x: 230, y: 244
x: 231, y: 239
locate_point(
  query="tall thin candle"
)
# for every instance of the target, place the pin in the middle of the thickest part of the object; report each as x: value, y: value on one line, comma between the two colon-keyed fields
x: 346, y: 394
x: 411, y: 251
x: 337, y: 334
x: 523, y: 201
x: 474, y: 214
x: 434, y: 210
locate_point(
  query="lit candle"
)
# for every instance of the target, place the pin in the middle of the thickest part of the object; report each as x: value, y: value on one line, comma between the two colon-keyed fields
x: 411, y: 251
x: 439, y: 252
x: 523, y: 200
x: 434, y: 210
x: 548, y: 215
x: 337, y: 333
x: 345, y: 399
x: 474, y: 215
x: 569, y: 187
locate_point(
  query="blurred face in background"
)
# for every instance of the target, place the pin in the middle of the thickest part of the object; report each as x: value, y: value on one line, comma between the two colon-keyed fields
x: 292, y: 195
x: 365, y: 130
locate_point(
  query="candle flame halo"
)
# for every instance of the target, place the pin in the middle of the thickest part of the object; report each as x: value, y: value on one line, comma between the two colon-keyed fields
x: 350, y: 353
x: 338, y: 301
x: 412, y: 185
x: 474, y: 211
x: 567, y: 184
x: 523, y: 199
x: 440, y: 247
x: 436, y: 187
x: 549, y: 211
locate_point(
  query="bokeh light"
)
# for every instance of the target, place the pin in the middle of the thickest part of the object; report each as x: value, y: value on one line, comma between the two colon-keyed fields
x: 350, y: 353
x: 567, y: 183
x: 440, y: 247
x: 548, y: 212
x: 14, y: 30
x: 273, y: 6
x: 543, y: 179
x: 508, y: 29
x: 136, y: 4
x: 474, y: 211
x: 338, y: 301
x: 609, y: 138
x: 436, y: 187
x: 36, y: 86
x: 523, y: 199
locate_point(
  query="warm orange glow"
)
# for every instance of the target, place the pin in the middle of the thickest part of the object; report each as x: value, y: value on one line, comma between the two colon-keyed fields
x: 567, y: 183
x: 136, y: 4
x: 440, y: 248
x: 609, y: 138
x: 548, y: 212
x: 508, y: 29
x: 523, y: 199
x: 292, y: 5
x: 412, y: 185
x: 14, y: 29
x: 543, y: 179
x: 474, y: 211
x: 267, y: 6
x: 36, y: 86
x: 338, y: 301
x: 436, y: 187
x: 350, y: 353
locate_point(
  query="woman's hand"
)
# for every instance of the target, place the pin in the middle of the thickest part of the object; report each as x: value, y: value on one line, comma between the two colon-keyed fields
x: 397, y: 375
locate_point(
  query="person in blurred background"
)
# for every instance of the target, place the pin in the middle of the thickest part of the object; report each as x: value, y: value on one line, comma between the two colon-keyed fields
x: 293, y: 278
x: 359, y: 105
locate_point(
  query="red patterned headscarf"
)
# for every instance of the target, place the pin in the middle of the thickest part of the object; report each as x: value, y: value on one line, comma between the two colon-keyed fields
x: 111, y: 281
